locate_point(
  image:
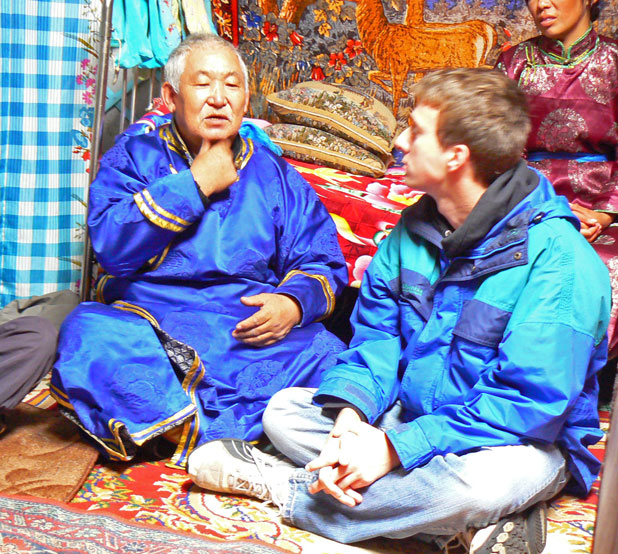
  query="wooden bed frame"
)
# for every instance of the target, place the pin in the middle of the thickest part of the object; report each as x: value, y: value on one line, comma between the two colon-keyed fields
x: 606, y: 525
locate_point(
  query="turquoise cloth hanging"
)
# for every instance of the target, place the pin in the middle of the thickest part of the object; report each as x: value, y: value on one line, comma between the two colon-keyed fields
x: 145, y: 31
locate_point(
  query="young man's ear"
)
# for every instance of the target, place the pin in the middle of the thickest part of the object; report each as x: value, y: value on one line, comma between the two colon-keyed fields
x: 459, y: 155
x: 169, y: 96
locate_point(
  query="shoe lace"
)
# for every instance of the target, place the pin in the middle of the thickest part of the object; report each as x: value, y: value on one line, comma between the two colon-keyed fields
x: 268, y: 467
x: 250, y: 487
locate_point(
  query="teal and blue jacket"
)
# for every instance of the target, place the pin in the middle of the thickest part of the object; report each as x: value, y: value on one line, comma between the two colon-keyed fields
x: 485, y: 341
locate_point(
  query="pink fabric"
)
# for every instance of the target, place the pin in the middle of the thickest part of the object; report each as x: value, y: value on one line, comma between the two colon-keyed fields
x: 573, y: 98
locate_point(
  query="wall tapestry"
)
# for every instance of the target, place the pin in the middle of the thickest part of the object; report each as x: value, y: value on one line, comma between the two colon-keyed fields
x: 375, y: 46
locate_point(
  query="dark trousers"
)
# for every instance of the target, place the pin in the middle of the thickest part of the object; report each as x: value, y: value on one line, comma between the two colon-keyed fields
x: 28, y: 337
x: 27, y: 353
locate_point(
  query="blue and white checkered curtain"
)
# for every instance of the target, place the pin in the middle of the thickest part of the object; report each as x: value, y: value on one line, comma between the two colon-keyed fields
x: 46, y: 94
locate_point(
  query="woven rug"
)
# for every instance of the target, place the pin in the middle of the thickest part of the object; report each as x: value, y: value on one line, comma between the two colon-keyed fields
x: 27, y: 526
x: 152, y: 493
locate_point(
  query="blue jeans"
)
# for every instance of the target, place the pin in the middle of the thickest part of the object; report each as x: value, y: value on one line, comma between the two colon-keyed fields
x: 436, y: 501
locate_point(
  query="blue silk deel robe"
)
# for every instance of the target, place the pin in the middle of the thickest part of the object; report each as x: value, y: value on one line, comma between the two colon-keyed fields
x: 156, y: 350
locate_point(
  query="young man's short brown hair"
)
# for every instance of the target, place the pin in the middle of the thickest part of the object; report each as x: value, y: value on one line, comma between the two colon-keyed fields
x: 481, y: 108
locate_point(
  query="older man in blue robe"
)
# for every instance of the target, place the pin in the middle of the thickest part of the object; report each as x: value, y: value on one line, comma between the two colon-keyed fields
x: 220, y: 260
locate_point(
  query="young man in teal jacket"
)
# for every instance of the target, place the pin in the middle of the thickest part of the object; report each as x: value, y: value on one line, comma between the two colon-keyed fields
x: 468, y: 395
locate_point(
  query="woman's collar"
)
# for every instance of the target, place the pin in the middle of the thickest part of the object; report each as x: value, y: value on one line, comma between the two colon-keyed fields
x: 582, y: 46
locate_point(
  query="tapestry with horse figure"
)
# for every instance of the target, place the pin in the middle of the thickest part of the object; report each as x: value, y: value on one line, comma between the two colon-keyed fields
x: 379, y: 47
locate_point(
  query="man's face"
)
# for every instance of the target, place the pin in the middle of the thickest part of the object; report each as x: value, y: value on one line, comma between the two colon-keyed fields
x: 212, y: 97
x: 424, y: 159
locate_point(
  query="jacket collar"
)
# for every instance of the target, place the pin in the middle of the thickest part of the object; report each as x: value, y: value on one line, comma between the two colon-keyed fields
x: 517, y: 199
x: 502, y: 195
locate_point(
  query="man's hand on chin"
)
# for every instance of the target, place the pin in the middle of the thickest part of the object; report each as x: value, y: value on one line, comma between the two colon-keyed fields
x: 277, y: 315
x: 213, y: 168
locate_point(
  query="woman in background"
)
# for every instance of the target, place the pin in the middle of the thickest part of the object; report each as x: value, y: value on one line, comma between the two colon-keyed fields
x: 570, y: 77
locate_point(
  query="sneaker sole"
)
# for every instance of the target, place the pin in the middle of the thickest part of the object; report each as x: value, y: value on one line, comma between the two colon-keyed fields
x: 524, y: 533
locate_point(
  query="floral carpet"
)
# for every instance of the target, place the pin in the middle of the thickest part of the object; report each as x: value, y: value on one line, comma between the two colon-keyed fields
x: 151, y: 493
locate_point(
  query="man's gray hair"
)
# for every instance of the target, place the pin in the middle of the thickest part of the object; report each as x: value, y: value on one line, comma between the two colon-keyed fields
x: 175, y: 66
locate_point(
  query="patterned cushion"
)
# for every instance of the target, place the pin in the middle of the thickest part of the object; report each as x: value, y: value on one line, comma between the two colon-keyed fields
x: 339, y: 110
x: 312, y: 145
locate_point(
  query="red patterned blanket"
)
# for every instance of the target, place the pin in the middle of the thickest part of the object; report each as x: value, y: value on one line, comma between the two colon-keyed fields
x: 364, y: 209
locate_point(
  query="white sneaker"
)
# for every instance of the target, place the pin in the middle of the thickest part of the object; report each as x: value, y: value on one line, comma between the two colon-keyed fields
x: 235, y: 466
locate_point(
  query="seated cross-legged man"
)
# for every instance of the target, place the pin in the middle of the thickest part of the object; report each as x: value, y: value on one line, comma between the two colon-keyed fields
x: 468, y: 395
x: 220, y: 262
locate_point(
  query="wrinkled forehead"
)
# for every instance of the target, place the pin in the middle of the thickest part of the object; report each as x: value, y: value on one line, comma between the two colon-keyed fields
x: 217, y: 61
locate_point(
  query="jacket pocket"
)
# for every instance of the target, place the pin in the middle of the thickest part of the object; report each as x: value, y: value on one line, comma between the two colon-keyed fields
x: 474, y: 349
x: 482, y: 323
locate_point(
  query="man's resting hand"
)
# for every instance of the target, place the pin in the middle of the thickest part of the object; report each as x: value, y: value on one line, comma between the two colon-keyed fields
x: 273, y: 321
x: 355, y: 455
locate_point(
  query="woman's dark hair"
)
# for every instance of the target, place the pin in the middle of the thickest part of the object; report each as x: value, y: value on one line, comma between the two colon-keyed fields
x: 595, y: 10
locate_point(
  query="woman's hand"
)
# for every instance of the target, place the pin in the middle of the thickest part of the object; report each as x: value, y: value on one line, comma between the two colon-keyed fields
x: 592, y: 223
